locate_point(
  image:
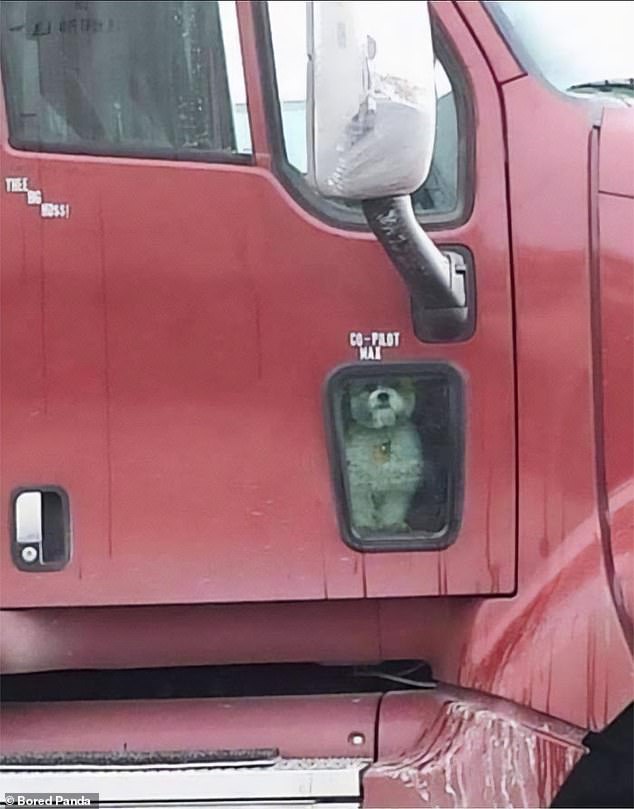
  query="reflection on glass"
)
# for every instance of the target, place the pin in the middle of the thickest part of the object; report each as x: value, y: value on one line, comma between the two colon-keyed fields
x: 439, y: 194
x: 398, y: 452
x: 596, y: 45
x: 384, y: 455
x: 123, y: 76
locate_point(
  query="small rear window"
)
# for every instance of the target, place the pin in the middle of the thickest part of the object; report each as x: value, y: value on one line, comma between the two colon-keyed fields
x: 124, y: 77
x: 397, y: 454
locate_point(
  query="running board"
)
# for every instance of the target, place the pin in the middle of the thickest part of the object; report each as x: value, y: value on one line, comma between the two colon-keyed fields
x: 284, y: 782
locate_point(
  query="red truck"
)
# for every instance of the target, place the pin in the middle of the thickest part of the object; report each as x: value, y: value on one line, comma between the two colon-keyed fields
x: 292, y: 514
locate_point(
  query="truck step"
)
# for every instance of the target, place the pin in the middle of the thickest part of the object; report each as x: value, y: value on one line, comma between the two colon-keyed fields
x: 245, y: 783
x: 128, y: 759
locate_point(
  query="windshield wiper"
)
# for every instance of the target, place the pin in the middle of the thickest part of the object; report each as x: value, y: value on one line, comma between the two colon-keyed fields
x: 604, y: 86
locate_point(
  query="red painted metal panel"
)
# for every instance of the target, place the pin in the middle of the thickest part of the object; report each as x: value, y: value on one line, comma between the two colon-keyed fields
x: 485, y: 543
x: 199, y: 634
x: 498, y: 54
x: 617, y: 334
x: 446, y: 747
x: 360, y: 630
x: 558, y: 646
x: 616, y: 164
x: 182, y: 322
x: 297, y: 726
x: 456, y: 748
x: 253, y: 86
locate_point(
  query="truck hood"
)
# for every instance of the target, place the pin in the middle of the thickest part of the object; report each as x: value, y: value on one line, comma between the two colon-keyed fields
x: 616, y: 155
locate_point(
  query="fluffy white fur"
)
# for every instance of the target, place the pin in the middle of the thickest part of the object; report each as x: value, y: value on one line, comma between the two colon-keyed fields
x: 383, y: 454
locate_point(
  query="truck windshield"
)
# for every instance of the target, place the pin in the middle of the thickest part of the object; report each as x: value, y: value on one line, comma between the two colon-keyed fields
x: 577, y: 47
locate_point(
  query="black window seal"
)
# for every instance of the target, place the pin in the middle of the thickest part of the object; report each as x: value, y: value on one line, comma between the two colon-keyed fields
x: 329, y: 211
x: 419, y: 541
x: 142, y: 152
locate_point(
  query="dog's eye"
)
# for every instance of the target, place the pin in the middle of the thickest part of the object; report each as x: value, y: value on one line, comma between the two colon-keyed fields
x: 369, y: 387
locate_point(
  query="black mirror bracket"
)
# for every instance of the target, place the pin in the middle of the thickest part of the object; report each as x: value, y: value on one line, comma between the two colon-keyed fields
x: 441, y: 283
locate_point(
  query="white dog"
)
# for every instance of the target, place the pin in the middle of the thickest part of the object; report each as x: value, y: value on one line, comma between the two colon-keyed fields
x: 383, y: 454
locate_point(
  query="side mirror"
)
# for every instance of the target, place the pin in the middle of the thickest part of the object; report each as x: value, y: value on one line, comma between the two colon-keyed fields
x: 371, y: 97
x: 370, y: 131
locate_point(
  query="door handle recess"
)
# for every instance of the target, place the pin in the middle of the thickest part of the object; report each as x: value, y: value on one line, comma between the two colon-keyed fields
x: 41, y: 535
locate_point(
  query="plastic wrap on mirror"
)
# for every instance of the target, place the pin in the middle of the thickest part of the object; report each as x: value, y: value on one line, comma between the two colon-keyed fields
x: 372, y: 102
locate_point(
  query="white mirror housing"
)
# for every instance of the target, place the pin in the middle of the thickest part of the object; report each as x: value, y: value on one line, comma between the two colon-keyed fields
x: 371, y: 97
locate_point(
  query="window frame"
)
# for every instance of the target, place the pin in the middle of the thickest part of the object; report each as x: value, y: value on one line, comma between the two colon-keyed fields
x: 331, y: 212
x: 112, y: 151
x: 417, y: 541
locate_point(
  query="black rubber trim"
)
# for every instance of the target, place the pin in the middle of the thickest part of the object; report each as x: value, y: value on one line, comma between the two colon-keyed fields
x: 233, y: 681
x: 136, y: 758
x: 603, y: 777
x: 421, y: 541
x: 144, y: 153
x: 427, y: 323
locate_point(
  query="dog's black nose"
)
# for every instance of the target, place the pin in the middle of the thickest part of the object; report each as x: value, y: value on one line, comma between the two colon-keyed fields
x: 383, y: 397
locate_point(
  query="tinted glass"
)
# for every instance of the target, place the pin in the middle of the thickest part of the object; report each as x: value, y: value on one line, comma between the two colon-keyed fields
x: 122, y: 76
x: 397, y: 438
x: 573, y: 44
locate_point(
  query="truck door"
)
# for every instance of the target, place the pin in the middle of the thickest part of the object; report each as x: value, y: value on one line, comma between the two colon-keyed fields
x: 186, y: 325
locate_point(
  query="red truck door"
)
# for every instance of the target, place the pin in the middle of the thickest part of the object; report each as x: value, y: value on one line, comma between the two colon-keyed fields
x: 174, y: 299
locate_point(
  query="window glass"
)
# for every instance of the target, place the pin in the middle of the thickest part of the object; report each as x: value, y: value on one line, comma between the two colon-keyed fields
x: 439, y: 194
x: 594, y: 54
x: 124, y: 77
x: 397, y: 438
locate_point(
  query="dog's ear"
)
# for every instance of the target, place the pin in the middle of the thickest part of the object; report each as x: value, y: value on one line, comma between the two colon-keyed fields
x: 406, y: 384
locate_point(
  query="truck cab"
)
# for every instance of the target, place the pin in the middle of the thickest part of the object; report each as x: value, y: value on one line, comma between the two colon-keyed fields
x: 297, y: 480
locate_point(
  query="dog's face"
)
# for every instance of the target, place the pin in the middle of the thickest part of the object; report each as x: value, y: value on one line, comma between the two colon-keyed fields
x: 382, y: 402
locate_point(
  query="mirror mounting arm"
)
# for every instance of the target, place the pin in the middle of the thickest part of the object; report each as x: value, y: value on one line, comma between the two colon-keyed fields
x: 438, y: 283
